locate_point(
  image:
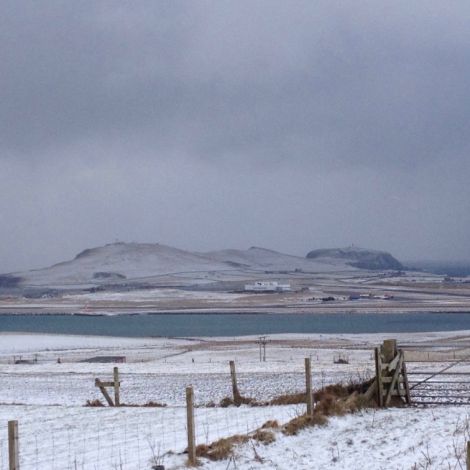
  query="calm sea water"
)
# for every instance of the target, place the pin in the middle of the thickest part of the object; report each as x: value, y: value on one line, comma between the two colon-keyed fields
x: 232, y: 324
x: 457, y: 269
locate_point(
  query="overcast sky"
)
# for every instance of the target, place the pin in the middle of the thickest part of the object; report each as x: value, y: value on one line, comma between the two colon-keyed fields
x: 203, y: 125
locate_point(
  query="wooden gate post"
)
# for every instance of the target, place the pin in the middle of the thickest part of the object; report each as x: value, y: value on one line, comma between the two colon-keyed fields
x: 117, y: 400
x: 394, y: 378
x: 233, y: 374
x: 389, y: 350
x: 308, y: 386
x: 13, y: 448
x: 190, y: 425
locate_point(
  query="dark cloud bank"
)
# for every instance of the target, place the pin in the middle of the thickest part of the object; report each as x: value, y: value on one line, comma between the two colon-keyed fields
x: 290, y: 125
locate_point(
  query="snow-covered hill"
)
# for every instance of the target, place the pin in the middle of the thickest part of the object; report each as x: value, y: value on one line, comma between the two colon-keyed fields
x: 358, y: 257
x: 261, y: 258
x: 124, y: 263
x: 118, y: 262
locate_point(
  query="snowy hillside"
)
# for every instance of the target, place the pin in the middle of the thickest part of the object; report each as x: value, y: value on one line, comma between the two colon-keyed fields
x: 261, y: 258
x: 154, y: 264
x: 358, y: 257
x: 121, y: 261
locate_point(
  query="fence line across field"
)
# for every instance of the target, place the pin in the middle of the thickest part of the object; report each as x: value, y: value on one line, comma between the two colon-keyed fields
x: 79, y: 438
x: 138, y: 437
x: 132, y: 438
x: 119, y: 436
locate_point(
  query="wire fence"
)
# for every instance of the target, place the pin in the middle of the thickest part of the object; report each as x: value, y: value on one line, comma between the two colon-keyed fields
x: 63, y: 438
x: 74, y: 389
x: 57, y: 432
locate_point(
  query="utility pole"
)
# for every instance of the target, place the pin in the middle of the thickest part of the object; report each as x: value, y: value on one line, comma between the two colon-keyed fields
x: 262, y: 341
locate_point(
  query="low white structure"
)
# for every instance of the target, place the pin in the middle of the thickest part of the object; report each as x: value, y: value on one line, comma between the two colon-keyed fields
x: 267, y: 286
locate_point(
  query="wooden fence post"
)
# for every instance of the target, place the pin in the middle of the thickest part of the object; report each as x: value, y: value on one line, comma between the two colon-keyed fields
x: 233, y: 374
x: 378, y: 373
x: 468, y: 455
x: 190, y: 425
x: 117, y: 400
x: 13, y: 448
x: 308, y: 387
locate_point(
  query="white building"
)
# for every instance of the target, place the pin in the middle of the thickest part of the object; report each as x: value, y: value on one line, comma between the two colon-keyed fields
x: 267, y: 286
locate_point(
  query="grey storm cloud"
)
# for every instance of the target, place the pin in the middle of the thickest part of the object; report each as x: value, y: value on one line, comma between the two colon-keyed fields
x: 288, y: 124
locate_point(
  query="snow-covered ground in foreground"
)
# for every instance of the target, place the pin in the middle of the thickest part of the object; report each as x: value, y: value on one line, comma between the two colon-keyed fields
x: 72, y: 438
x: 393, y: 439
x: 58, y: 432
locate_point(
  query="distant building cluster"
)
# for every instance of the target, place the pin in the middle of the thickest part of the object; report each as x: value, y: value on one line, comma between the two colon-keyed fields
x: 267, y: 286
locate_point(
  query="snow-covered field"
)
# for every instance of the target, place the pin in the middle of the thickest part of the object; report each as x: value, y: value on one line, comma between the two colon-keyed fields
x: 58, y: 432
x: 156, y: 294
x: 63, y: 438
x: 393, y: 439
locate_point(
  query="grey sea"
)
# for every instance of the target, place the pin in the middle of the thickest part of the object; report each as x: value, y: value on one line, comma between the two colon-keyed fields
x: 184, y: 325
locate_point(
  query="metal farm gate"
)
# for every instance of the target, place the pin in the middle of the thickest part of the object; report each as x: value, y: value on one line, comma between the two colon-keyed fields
x: 438, y: 371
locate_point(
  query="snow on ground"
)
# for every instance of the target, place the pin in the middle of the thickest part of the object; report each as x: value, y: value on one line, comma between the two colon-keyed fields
x: 48, y: 395
x: 16, y: 343
x: 160, y: 369
x: 72, y: 438
x: 160, y: 294
x: 392, y: 439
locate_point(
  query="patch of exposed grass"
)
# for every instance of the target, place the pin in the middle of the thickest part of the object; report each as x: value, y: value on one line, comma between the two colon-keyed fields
x: 94, y: 403
x: 154, y: 404
x: 357, y: 401
x: 271, y: 424
x: 289, y: 399
x: 301, y: 422
x: 149, y: 404
x: 342, y: 390
x: 227, y: 401
x: 334, y: 400
x: 330, y: 405
x: 221, y: 449
x: 264, y: 436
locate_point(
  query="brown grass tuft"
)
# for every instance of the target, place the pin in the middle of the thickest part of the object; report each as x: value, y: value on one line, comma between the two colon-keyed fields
x: 271, y: 424
x: 264, y: 436
x: 94, y: 403
x: 221, y: 449
x: 154, y: 404
x: 330, y: 405
x: 301, y: 422
x: 290, y: 399
x: 227, y: 401
x: 357, y: 401
x: 337, y: 390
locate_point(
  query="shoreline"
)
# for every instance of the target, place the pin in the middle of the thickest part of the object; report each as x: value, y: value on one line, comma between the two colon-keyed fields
x: 259, y: 310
